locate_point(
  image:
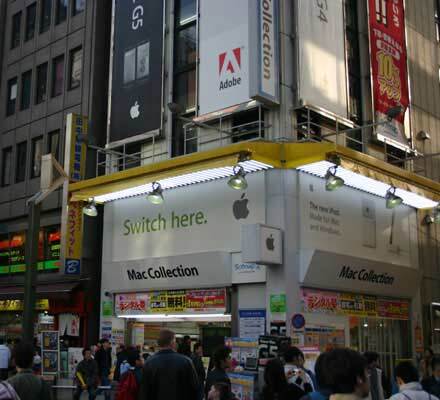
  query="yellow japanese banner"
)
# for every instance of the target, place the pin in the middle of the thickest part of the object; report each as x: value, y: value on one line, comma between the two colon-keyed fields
x: 78, y: 128
x: 17, y: 305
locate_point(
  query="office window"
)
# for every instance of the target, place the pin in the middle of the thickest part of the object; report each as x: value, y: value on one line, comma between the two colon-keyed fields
x: 31, y: 15
x: 37, y: 152
x: 11, y: 97
x: 6, y: 166
x: 185, y: 62
x: 54, y: 144
x: 20, y: 162
x: 78, y: 6
x: 16, y: 29
x: 137, y: 63
x: 57, y: 76
x: 75, y: 68
x: 46, y: 11
x: 61, y: 11
x: 26, y: 87
x: 41, y: 84
x: 437, y: 19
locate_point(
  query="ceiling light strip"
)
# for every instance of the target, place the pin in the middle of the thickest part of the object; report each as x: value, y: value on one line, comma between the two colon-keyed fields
x: 366, y: 184
x: 184, y: 180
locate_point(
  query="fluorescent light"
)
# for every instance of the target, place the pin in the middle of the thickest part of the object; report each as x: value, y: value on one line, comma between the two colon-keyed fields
x: 179, y: 317
x: 435, y: 304
x: 366, y: 184
x: 184, y: 180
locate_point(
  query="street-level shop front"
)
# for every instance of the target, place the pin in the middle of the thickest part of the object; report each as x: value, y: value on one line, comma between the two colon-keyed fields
x: 283, y: 256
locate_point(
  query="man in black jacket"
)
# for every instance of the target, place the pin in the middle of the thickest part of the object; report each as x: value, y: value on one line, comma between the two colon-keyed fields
x: 167, y: 374
x: 199, y: 367
x: 87, y: 376
x: 432, y: 384
x: 103, y: 358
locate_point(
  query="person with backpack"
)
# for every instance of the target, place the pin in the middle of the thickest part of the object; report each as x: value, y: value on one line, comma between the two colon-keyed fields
x: 86, y: 375
x: 407, y: 378
x: 28, y: 385
x: 129, y: 379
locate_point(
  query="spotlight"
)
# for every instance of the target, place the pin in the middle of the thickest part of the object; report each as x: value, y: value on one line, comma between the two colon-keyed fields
x: 392, y: 199
x: 238, y: 181
x: 333, y: 182
x: 433, y: 218
x: 90, y: 209
x: 156, y: 197
x: 428, y: 220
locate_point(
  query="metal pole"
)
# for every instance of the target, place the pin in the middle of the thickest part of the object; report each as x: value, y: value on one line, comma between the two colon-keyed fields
x: 30, y: 279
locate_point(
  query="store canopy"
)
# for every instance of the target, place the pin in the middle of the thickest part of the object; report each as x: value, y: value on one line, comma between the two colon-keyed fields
x: 358, y: 170
x: 51, y: 291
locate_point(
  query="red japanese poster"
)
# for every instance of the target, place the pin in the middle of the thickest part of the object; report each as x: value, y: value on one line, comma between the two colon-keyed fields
x: 388, y: 66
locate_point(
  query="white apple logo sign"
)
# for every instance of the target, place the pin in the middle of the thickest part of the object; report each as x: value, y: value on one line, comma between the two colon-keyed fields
x: 240, y: 207
x: 270, y: 243
x: 134, y: 110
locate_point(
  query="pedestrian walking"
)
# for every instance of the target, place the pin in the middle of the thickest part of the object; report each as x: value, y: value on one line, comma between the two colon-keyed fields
x: 346, y: 374
x: 185, y: 346
x: 129, y: 381
x: 86, y: 375
x: 322, y: 388
x: 407, y: 378
x: 426, y: 363
x: 121, y: 356
x: 199, y: 367
x: 375, y: 375
x: 103, y: 358
x: 27, y: 385
x: 295, y: 371
x: 5, y: 360
x: 168, y: 374
x: 222, y: 363
x: 276, y: 385
x: 220, y: 391
x: 432, y: 384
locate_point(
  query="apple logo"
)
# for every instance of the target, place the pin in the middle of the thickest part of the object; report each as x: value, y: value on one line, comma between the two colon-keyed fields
x: 134, y: 111
x: 240, y: 208
x: 270, y: 243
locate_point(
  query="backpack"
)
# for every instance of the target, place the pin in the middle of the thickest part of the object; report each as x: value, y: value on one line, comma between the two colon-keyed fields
x: 128, y: 387
x: 7, y: 392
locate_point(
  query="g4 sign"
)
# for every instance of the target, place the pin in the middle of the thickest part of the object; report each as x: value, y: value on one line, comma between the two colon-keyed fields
x: 137, y: 15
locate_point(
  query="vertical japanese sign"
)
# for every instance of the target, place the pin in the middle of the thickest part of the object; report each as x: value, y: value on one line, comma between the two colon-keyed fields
x: 388, y: 65
x: 77, y: 129
x: 73, y: 239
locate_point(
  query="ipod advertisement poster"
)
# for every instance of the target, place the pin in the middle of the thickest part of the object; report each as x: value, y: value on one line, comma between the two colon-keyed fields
x: 137, y: 74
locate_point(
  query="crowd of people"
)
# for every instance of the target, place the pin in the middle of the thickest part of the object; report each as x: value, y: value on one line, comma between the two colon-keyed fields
x: 177, y: 372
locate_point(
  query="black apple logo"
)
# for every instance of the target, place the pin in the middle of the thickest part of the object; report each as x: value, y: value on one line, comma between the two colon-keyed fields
x: 240, y: 208
x: 270, y: 243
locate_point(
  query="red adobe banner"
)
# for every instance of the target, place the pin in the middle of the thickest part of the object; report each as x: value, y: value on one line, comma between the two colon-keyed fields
x: 388, y: 65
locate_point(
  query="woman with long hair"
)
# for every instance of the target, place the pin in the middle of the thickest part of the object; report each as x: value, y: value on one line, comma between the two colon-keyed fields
x: 276, y: 386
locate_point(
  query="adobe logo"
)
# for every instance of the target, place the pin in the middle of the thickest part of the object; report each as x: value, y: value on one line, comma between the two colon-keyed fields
x: 229, y: 61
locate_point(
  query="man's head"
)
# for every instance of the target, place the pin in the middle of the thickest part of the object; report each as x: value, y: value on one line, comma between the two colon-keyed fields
x: 222, y: 358
x: 346, y: 372
x: 120, y: 348
x: 87, y: 353
x: 24, y: 355
x: 198, y: 349
x: 406, y: 372
x: 105, y: 344
x: 187, y: 340
x: 372, y: 359
x: 294, y: 356
x: 321, y: 372
x: 167, y: 339
x: 436, y: 368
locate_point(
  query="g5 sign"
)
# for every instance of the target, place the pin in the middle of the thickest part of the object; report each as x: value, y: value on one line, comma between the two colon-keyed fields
x: 137, y: 19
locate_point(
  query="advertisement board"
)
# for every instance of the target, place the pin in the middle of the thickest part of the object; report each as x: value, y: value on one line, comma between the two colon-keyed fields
x: 77, y: 127
x: 197, y: 218
x: 171, y: 302
x: 321, y: 53
x: 389, y: 65
x: 137, y: 70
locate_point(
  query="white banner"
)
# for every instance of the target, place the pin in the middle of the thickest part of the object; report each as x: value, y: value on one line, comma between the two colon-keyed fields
x: 224, y: 54
x: 323, y: 79
x: 200, y: 270
x: 193, y: 219
x: 356, y: 224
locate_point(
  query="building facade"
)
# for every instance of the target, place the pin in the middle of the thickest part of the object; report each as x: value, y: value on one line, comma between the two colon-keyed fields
x: 55, y: 62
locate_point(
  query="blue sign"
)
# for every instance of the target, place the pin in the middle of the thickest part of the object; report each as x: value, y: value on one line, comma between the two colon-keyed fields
x: 72, y: 267
x: 298, y: 321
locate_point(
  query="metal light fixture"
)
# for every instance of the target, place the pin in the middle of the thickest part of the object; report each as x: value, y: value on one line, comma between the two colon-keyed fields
x: 392, y: 199
x: 333, y: 182
x: 90, y: 209
x: 428, y: 220
x: 433, y: 218
x: 238, y: 181
x: 156, y: 197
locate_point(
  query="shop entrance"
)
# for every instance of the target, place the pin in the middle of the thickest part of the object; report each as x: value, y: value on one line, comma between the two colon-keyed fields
x: 391, y: 339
